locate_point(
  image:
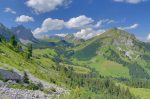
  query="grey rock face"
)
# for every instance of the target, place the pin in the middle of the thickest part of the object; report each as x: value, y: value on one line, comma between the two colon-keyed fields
x: 9, y: 75
x: 23, y: 33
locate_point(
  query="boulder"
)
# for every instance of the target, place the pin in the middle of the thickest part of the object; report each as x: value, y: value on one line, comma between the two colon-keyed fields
x: 10, y: 75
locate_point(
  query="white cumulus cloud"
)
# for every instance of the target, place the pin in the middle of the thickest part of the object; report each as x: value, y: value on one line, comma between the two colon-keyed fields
x: 57, y: 24
x: 131, y: 1
x: 42, y: 6
x: 79, y: 22
x: 129, y: 27
x: 148, y: 37
x: 24, y: 19
x: 87, y: 28
x: 9, y: 10
x: 49, y: 24
x: 88, y: 33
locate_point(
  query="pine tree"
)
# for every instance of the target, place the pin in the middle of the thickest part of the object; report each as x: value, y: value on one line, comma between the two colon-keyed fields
x: 13, y: 40
x: 25, y: 78
x: 29, y: 51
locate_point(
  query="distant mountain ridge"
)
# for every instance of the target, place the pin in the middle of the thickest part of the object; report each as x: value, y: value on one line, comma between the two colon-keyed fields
x: 5, y: 32
x: 23, y: 34
x: 71, y: 38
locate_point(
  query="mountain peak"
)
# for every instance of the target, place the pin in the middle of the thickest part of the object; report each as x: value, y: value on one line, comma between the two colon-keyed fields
x: 23, y: 33
x: 114, y: 29
x: 116, y: 33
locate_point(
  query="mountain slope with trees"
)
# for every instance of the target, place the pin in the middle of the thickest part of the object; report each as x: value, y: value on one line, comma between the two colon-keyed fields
x: 72, y: 71
x: 117, y: 46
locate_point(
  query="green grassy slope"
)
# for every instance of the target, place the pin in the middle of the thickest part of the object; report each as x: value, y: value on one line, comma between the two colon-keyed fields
x: 17, y: 61
x: 110, y: 68
x: 43, y: 66
x: 142, y: 93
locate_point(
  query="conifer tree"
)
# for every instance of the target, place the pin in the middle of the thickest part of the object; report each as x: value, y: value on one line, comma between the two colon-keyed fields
x: 13, y: 40
x: 29, y: 51
x: 25, y: 78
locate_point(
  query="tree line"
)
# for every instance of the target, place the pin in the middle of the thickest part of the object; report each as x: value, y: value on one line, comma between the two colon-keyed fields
x: 94, y: 82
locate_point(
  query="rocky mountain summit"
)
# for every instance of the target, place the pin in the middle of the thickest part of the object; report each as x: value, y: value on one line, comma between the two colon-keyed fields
x: 23, y: 34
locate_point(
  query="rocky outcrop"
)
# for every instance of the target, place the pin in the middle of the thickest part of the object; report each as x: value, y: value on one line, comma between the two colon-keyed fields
x: 9, y: 93
x: 9, y: 75
x: 46, y: 85
x: 14, y: 75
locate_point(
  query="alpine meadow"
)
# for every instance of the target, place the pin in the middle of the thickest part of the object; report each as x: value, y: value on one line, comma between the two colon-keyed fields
x: 74, y: 49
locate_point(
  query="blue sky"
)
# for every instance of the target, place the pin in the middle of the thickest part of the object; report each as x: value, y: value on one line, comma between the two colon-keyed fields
x: 78, y: 16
